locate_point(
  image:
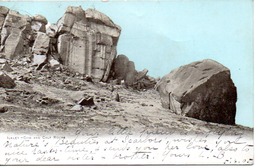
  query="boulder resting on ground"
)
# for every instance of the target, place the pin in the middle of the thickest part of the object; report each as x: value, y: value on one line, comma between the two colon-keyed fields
x: 203, y: 90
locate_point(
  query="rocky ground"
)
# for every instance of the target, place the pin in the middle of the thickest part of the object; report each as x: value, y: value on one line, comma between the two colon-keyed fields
x: 48, y: 100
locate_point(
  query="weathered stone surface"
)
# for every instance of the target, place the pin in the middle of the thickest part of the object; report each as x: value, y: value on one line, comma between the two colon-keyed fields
x: 202, y: 90
x: 41, y: 44
x: 102, y: 23
x: 63, y: 47
x: 15, y: 34
x: 13, y: 45
x: 3, y: 13
x: 87, y: 42
x: 6, y: 81
x: 72, y: 15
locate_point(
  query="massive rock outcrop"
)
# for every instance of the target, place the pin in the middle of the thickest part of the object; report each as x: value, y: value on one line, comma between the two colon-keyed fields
x: 202, y: 90
x: 16, y: 33
x: 87, y: 42
x: 84, y: 41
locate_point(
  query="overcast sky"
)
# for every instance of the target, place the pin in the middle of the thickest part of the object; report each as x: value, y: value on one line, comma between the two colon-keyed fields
x: 162, y: 35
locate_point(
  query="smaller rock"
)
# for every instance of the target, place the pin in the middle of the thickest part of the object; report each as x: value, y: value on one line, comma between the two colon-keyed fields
x: 88, y: 79
x: 115, y: 82
x: 76, y: 108
x: 143, y: 104
x: 70, y: 104
x: 6, y: 81
x: 112, y: 88
x: 3, y: 109
x: 117, y: 98
x: 95, y: 107
x: 24, y: 78
x: 55, y: 65
x: 25, y: 60
x: 6, y: 67
x: 141, y: 74
x: 67, y: 81
x: 87, y: 101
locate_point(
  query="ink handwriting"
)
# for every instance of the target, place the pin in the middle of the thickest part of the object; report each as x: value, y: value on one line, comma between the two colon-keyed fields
x: 121, y: 145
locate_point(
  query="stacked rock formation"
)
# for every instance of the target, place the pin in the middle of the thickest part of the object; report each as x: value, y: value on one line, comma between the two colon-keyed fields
x: 202, y: 90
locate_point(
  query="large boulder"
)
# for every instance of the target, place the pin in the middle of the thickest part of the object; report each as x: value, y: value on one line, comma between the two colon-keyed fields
x: 202, y: 90
x: 87, y: 42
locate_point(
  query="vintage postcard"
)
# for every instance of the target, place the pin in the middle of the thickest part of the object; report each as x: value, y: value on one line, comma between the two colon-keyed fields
x: 126, y: 82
